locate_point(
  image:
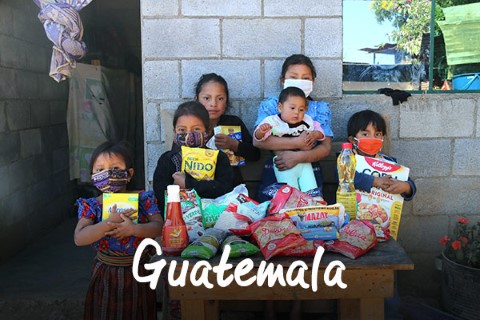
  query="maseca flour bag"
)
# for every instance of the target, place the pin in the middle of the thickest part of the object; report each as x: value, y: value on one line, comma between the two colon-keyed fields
x: 381, y: 208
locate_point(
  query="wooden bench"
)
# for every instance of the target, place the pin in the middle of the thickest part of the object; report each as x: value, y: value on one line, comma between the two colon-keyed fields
x: 370, y: 279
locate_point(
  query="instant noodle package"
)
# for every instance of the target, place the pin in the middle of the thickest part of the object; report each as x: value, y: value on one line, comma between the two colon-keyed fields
x: 381, y: 208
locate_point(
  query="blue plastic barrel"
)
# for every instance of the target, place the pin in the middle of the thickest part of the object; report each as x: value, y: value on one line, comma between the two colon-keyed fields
x: 467, y: 81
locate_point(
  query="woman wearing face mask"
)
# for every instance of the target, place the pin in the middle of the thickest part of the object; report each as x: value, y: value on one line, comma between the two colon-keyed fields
x: 191, y: 123
x: 297, y: 71
x: 366, y: 130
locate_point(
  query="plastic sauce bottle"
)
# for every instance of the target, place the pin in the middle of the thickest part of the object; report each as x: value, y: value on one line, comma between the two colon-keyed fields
x: 174, y: 235
x: 346, y: 173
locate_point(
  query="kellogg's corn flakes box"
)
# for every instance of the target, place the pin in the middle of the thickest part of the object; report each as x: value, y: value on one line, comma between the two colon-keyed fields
x: 123, y: 201
x: 383, y: 209
x: 234, y: 132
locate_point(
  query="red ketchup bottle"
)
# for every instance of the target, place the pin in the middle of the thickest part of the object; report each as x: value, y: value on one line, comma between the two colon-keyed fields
x: 174, y: 235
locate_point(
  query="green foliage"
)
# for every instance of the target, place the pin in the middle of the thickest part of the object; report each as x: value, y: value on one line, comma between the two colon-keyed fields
x: 411, y: 19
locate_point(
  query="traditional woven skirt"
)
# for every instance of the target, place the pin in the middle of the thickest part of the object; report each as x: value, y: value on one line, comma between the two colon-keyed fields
x: 114, y: 294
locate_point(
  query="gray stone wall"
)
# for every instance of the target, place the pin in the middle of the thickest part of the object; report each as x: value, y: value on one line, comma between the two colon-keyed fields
x: 436, y: 135
x: 35, y: 193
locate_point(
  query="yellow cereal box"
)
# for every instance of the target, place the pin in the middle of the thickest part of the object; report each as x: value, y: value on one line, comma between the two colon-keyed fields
x: 199, y: 163
x: 383, y: 209
x: 234, y: 132
x: 123, y: 201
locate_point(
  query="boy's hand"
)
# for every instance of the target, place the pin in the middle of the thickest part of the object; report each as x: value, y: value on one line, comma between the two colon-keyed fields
x: 286, y: 160
x: 395, y: 186
x: 122, y: 229
x: 262, y: 130
x: 179, y: 179
x: 223, y: 141
x: 381, y: 182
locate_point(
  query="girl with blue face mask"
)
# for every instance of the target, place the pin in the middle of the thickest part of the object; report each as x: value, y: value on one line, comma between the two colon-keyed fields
x: 297, y: 71
x: 190, y: 124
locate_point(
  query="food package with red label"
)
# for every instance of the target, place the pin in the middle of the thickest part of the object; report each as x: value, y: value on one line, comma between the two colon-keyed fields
x: 307, y: 250
x: 288, y: 197
x: 381, y: 208
x: 275, y: 234
x: 356, y: 239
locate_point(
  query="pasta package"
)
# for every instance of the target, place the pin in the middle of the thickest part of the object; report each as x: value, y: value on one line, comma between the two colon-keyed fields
x: 206, y: 246
x: 239, y: 247
x: 200, y: 163
x: 275, y: 234
x: 381, y: 208
x: 356, y: 238
x: 319, y: 222
x: 234, y: 132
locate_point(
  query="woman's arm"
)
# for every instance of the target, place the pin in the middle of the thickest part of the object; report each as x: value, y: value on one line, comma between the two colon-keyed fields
x: 288, y: 159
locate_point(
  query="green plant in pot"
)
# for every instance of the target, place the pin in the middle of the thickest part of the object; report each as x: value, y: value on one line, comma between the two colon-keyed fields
x: 461, y: 270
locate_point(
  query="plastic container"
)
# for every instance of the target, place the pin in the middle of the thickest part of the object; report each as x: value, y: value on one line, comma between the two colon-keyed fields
x: 174, y: 234
x: 467, y: 81
x: 346, y: 193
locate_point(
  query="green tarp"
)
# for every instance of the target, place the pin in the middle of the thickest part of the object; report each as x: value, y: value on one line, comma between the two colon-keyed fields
x: 461, y: 31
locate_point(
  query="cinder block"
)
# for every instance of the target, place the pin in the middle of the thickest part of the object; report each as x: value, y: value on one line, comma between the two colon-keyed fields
x: 247, y: 111
x: 261, y: 37
x: 3, y: 117
x: 307, y: 8
x: 478, y: 120
x: 161, y: 80
x: 152, y: 122
x: 155, y: 8
x: 6, y: 23
x: 18, y: 114
x: 13, y: 52
x: 31, y: 142
x: 40, y: 61
x: 8, y: 90
x: 154, y: 151
x: 329, y: 78
x: 60, y: 160
x: 17, y: 207
x: 412, y: 232
x: 44, y: 164
x: 181, y: 38
x: 54, y: 137
x: 27, y: 26
x: 226, y: 8
x: 5, y: 186
x: 49, y: 89
x: 21, y: 173
x: 446, y: 195
x: 323, y: 38
x: 58, y: 112
x: 39, y: 113
x: 272, y: 73
x: 10, y: 150
x: 26, y: 85
x: 242, y: 76
x: 167, y: 110
x: 466, y: 157
x: 425, y: 158
x: 437, y: 117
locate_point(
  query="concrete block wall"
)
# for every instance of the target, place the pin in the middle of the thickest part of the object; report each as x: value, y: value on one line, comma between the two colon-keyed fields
x: 35, y: 192
x: 436, y: 135
x: 244, y: 41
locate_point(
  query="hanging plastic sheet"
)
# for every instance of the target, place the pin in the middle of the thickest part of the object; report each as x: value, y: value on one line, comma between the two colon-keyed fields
x: 64, y: 28
x: 90, y: 120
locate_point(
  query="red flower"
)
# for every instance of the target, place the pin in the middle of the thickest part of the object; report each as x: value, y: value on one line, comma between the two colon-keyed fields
x: 456, y: 245
x: 462, y: 220
x: 464, y: 240
x: 444, y: 240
